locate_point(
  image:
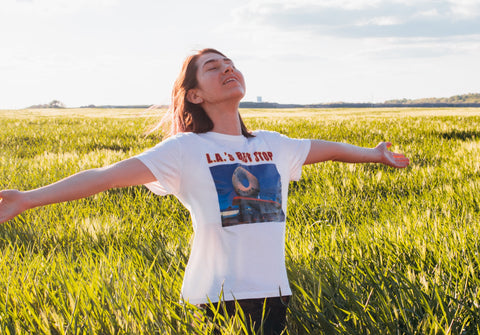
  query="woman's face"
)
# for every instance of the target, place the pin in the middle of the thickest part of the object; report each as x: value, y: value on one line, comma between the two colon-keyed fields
x: 218, y: 80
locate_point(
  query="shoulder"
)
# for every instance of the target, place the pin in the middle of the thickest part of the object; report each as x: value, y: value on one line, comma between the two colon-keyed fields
x: 178, y: 139
x: 283, y: 142
x: 269, y: 135
x: 173, y: 145
x: 266, y: 134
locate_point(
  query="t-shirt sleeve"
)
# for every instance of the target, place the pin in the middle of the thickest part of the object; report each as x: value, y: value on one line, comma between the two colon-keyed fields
x: 164, y: 161
x: 293, y: 151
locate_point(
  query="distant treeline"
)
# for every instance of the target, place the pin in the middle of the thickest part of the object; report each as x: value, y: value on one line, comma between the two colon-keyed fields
x: 470, y: 98
x: 353, y: 105
x: 119, y: 106
x: 465, y: 100
x: 52, y: 104
x: 247, y: 104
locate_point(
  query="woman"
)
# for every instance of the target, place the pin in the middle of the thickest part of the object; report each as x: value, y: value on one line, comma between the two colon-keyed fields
x: 234, y: 183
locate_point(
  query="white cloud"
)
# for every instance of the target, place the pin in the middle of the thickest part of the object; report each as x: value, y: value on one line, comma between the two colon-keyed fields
x: 381, y: 21
x: 465, y: 9
x: 289, y: 4
x: 429, y: 13
x: 376, y: 18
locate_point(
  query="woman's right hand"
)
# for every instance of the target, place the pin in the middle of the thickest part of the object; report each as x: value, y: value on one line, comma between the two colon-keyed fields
x: 12, y: 203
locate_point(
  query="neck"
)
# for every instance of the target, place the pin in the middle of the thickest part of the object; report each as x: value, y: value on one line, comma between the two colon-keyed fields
x: 225, y: 118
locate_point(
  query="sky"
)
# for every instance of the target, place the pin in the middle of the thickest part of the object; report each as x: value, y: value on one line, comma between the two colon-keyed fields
x: 119, y: 52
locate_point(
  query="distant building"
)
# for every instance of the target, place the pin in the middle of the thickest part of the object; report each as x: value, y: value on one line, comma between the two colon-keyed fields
x: 259, y: 99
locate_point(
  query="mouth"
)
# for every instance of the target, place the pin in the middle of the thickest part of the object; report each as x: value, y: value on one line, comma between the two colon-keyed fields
x: 229, y: 80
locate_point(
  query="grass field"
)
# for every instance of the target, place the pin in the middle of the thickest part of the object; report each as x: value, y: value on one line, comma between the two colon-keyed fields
x: 370, y: 249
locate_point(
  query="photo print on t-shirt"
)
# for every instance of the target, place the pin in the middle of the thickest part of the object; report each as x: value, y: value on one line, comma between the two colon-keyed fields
x: 248, y: 194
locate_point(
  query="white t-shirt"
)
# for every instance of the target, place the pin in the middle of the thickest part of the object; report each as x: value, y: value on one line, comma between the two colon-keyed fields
x: 236, y: 191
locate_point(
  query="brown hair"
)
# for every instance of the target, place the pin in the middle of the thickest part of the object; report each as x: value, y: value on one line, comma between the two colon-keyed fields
x: 184, y: 116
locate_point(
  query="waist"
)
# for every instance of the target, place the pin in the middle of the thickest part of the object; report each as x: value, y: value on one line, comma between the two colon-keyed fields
x: 246, y: 304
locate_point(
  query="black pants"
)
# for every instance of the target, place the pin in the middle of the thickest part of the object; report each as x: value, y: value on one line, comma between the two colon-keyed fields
x: 274, y: 320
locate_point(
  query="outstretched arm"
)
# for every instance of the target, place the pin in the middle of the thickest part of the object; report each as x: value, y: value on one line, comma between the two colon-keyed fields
x: 129, y: 172
x: 321, y: 151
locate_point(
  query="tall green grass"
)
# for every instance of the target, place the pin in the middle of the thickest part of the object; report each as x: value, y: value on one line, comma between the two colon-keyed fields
x: 370, y: 249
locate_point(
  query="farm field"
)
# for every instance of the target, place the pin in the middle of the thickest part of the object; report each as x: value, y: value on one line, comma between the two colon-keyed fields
x: 369, y: 249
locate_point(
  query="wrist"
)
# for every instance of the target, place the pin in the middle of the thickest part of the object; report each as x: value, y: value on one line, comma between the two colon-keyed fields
x: 378, y: 156
x: 27, y: 200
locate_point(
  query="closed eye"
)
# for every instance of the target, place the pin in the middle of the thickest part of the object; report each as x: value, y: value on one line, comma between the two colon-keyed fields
x: 213, y: 64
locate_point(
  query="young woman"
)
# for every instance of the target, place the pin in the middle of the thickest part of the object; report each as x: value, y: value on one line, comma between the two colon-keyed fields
x: 234, y: 183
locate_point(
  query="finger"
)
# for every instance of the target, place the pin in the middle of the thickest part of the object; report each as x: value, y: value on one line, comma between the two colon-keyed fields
x: 401, y: 159
x: 404, y: 162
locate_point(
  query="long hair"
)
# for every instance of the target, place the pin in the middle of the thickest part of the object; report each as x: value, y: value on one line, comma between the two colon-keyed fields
x: 182, y: 115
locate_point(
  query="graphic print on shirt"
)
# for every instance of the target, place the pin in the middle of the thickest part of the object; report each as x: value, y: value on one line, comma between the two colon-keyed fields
x: 248, y: 194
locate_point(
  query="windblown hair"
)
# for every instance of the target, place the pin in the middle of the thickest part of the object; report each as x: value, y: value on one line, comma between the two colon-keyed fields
x: 182, y: 115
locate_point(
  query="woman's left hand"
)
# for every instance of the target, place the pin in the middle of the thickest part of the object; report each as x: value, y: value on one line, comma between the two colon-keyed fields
x: 391, y: 158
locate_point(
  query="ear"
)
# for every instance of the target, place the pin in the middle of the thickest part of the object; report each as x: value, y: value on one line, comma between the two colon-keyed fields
x: 193, y: 97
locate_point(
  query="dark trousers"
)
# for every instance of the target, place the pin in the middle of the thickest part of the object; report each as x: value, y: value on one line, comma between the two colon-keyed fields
x: 274, y: 319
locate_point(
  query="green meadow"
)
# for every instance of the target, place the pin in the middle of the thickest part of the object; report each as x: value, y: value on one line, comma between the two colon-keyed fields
x: 369, y: 249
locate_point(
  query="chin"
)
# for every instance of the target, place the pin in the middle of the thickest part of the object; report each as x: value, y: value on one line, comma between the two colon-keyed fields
x: 238, y: 95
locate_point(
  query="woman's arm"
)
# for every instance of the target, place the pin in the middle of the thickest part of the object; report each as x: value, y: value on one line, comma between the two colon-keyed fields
x: 129, y: 172
x: 321, y: 151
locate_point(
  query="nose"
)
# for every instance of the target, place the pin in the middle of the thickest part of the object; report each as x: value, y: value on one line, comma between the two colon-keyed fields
x: 228, y: 68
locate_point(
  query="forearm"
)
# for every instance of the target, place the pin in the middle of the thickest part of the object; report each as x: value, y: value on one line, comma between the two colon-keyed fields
x: 341, y: 152
x: 77, y: 186
x: 348, y: 153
